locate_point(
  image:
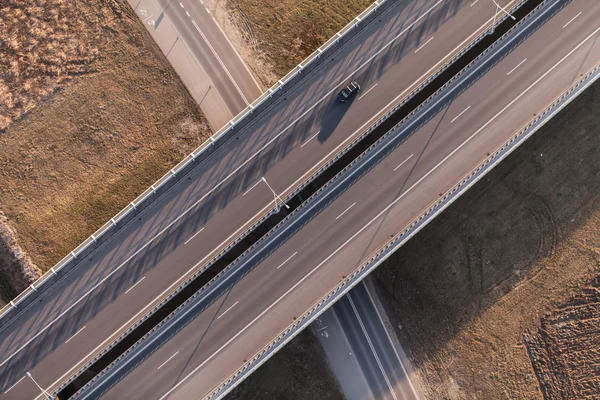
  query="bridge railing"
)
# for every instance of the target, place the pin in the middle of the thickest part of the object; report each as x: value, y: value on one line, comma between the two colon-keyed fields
x: 219, y: 138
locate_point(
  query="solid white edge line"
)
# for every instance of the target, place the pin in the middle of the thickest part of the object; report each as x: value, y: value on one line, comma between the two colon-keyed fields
x: 368, y: 224
x: 391, y: 342
x: 212, y: 49
x: 135, y: 284
x: 19, y: 381
x: 248, y: 160
x: 364, y: 330
x: 572, y: 19
x: 473, y: 3
x: 367, y: 92
x: 251, y: 187
x: 402, y: 163
x: 75, y: 334
x: 516, y: 66
x: 309, y: 139
x: 346, y: 210
x: 225, y: 312
x: 424, y: 44
x: 458, y: 116
x: 195, y: 234
x: 288, y: 259
x: 168, y: 359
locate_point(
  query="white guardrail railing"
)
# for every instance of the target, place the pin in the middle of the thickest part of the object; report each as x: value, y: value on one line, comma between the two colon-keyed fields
x: 219, y: 136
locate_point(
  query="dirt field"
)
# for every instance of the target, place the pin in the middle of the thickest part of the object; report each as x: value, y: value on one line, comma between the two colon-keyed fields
x: 518, y: 255
x: 274, y: 36
x: 92, y: 114
x: 299, y: 371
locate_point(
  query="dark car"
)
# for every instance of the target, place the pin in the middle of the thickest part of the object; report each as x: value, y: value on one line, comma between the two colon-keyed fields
x: 349, y: 91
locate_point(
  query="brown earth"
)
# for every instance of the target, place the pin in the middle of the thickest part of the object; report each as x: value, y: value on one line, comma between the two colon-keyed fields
x: 95, y: 115
x: 273, y: 36
x: 513, y: 257
x: 298, y: 371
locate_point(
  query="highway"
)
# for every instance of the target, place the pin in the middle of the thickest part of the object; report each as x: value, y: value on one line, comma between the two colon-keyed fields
x: 360, y: 350
x: 329, y: 238
x: 185, y: 228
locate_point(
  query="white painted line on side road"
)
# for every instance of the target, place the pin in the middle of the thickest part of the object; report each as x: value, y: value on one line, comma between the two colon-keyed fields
x: 387, y: 333
x: 225, y: 312
x: 374, y: 154
x: 19, y: 381
x: 345, y: 211
x: 408, y: 28
x: 309, y: 139
x: 365, y: 93
x: 288, y: 259
x: 458, y: 116
x: 364, y: 330
x: 212, y: 49
x: 181, y: 4
x: 195, y: 234
x: 517, y: 66
x: 473, y: 3
x: 135, y: 284
x: 75, y: 334
x: 572, y: 19
x: 423, y: 45
x: 251, y: 187
x: 187, y: 13
x: 402, y: 163
x: 168, y: 359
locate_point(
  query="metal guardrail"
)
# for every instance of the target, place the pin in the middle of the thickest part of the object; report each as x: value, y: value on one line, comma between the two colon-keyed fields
x: 142, y: 200
x: 203, y: 289
x: 288, y: 197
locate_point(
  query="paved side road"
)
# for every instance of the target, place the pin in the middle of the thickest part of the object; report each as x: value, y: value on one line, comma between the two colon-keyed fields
x: 202, y: 56
x: 360, y: 350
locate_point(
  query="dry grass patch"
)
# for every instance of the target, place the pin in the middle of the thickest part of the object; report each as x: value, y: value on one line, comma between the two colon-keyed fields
x: 79, y: 148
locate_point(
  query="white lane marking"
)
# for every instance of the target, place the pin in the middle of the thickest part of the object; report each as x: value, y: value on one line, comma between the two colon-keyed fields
x: 251, y: 187
x: 181, y: 5
x: 517, y: 66
x: 345, y: 211
x: 225, y: 312
x: 365, y: 93
x: 188, y: 14
x: 201, y: 2
x: 288, y: 259
x: 19, y: 381
x: 423, y: 45
x: 212, y: 49
x: 247, y: 161
x: 135, y: 284
x: 473, y: 3
x: 387, y: 333
x: 195, y: 234
x: 362, y: 327
x: 168, y: 359
x: 572, y: 19
x: 75, y: 334
x: 458, y: 116
x: 402, y: 163
x: 374, y: 154
x: 310, y: 138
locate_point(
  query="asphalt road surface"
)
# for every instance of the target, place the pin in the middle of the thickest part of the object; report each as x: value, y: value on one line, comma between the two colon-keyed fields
x: 360, y: 349
x: 210, y: 46
x: 291, y: 270
x: 199, y: 216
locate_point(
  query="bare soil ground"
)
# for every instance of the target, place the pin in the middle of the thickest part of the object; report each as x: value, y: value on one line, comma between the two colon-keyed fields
x: 91, y: 114
x: 299, y: 371
x: 505, y: 283
x: 273, y: 36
